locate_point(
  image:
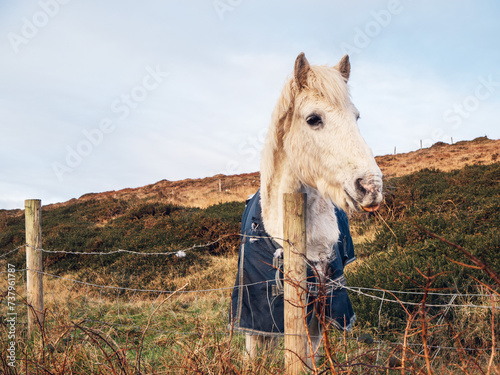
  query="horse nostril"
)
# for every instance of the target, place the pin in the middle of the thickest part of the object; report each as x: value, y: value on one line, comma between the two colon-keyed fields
x: 360, y: 187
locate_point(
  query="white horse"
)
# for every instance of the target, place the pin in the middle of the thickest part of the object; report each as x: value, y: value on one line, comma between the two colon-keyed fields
x: 314, y: 146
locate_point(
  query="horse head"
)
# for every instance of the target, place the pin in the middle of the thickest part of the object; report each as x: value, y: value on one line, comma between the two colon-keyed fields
x: 321, y: 138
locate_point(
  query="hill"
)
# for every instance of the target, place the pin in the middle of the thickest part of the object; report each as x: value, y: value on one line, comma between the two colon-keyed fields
x: 220, y: 188
x: 205, y: 192
x: 461, y: 204
x: 442, y: 156
x: 165, y: 217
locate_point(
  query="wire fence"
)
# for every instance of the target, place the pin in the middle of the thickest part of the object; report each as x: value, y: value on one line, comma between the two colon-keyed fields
x: 363, y: 291
x: 96, y: 307
x: 125, y: 316
x: 180, y: 253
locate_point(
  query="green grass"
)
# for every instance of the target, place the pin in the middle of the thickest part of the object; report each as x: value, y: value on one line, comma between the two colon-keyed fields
x: 462, y: 206
x: 107, y: 225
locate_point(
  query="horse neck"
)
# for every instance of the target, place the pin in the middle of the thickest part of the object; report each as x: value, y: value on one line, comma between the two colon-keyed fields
x: 276, y: 179
x: 321, y: 222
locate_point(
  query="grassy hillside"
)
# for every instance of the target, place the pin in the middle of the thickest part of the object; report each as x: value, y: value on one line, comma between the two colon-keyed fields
x: 106, y: 225
x: 88, y: 327
x: 443, y: 156
x: 463, y: 206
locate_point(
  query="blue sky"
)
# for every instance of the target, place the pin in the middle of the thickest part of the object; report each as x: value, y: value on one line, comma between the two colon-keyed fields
x: 99, y: 96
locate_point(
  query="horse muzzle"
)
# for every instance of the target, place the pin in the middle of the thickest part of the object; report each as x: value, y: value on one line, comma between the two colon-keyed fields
x: 368, y: 192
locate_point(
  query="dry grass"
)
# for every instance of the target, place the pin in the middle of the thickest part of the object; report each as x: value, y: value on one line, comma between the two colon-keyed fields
x: 220, y: 272
x: 91, y: 330
x: 87, y: 331
x: 442, y: 156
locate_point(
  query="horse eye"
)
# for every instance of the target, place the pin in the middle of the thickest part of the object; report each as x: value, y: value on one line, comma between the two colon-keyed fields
x: 314, y: 120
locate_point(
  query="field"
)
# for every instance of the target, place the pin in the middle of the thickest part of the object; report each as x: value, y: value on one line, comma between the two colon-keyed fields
x: 423, y: 305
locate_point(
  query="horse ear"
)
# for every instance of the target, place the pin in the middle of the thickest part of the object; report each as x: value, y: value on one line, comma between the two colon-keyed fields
x: 301, y: 68
x: 344, y: 67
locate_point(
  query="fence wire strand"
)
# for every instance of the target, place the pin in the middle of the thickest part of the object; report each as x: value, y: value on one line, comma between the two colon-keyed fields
x: 362, y: 291
x: 12, y: 251
x: 355, y: 289
x: 178, y: 253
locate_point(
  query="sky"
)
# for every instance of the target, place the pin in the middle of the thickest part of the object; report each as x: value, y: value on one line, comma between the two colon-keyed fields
x: 106, y: 95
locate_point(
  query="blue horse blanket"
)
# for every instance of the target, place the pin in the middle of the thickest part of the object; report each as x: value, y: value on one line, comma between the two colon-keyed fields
x: 257, y: 299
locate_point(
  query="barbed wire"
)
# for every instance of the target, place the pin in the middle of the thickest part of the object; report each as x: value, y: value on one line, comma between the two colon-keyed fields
x: 125, y: 251
x: 422, y: 293
x: 12, y: 251
x: 181, y: 253
x: 354, y: 289
x: 383, y: 299
x: 349, y: 288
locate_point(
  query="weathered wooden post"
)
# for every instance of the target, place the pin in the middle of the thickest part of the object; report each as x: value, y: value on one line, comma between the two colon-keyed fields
x: 295, y: 272
x: 34, y: 279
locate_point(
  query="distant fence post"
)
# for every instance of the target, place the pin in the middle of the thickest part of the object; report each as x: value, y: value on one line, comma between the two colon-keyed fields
x: 34, y: 279
x: 295, y: 272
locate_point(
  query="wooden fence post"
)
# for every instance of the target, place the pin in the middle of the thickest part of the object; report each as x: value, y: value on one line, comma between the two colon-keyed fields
x: 34, y: 279
x: 295, y: 272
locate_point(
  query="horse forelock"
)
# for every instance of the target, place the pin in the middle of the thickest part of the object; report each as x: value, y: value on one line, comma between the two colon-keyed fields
x: 329, y: 83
